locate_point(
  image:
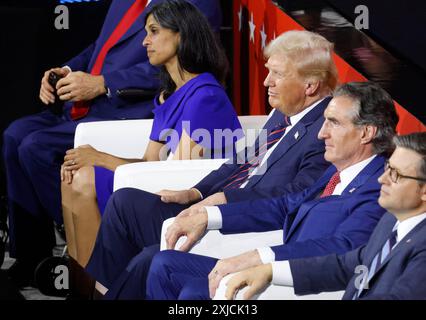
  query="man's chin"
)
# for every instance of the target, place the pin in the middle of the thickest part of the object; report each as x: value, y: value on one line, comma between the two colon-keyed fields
x: 382, y: 201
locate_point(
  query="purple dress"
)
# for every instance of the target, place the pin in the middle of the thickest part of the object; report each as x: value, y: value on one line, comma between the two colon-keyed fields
x: 199, y: 107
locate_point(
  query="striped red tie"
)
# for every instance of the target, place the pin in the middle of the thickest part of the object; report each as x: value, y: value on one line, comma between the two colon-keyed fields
x: 244, y: 171
x: 81, y: 109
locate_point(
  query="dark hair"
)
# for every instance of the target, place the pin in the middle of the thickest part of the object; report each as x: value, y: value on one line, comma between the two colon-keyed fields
x: 199, y: 50
x: 415, y: 142
x: 376, y: 108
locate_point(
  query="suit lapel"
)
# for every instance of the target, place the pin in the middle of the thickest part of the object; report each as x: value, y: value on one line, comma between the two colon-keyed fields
x: 119, y: 12
x: 138, y: 24
x: 403, y: 245
x: 293, y: 219
x: 292, y: 137
x: 376, y: 164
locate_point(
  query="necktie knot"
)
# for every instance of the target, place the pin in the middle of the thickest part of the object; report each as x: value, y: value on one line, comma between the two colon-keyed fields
x: 331, y: 185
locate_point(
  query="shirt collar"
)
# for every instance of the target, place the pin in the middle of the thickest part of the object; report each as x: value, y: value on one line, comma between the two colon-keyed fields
x: 297, y: 117
x: 404, y: 227
x: 348, y: 174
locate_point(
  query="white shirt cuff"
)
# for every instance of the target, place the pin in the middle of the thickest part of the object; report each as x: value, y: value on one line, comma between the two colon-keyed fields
x: 199, y: 192
x: 67, y: 67
x: 281, y: 274
x: 214, y: 218
x: 266, y: 255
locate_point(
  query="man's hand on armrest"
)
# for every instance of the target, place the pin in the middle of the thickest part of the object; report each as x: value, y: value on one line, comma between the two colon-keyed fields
x: 181, y: 197
x: 231, y: 265
x: 255, y: 278
x: 190, y: 223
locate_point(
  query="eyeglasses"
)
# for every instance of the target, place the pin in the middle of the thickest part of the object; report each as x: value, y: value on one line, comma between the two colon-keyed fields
x: 395, y: 175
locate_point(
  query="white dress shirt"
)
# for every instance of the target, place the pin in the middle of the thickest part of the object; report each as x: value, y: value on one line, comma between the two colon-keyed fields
x: 281, y: 272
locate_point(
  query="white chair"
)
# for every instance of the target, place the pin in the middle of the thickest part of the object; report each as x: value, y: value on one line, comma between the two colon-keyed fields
x: 129, y: 139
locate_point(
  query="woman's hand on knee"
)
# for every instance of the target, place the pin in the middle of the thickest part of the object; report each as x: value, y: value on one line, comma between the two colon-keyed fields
x: 66, y: 175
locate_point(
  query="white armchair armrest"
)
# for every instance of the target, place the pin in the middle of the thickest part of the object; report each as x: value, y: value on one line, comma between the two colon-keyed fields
x: 157, y: 175
x: 273, y: 292
x: 121, y: 138
x: 218, y: 245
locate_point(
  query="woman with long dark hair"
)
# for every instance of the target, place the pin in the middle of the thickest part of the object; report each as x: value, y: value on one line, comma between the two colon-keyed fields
x: 192, y: 100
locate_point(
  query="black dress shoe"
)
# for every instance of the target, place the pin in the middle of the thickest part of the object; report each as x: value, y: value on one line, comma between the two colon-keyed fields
x: 21, y: 274
x: 52, y: 277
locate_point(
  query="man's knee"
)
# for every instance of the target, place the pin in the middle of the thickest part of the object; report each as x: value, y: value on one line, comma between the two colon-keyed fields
x: 162, y: 260
x: 29, y: 149
x: 12, y: 138
x: 132, y: 202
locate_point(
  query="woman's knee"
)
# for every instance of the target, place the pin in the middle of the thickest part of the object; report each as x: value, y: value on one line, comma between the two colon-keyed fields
x: 83, y: 182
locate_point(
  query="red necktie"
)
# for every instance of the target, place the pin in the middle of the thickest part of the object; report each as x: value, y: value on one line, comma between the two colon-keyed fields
x: 80, y: 109
x: 331, y: 185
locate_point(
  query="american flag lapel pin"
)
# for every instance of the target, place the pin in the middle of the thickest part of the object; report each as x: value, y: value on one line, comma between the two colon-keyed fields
x: 352, y: 190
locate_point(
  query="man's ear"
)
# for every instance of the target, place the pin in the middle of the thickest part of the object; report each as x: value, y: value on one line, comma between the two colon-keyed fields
x: 312, y: 87
x: 368, y: 134
x: 423, y: 192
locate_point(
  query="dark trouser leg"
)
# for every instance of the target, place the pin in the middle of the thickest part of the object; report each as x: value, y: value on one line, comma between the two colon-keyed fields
x: 179, y: 275
x: 24, y: 206
x: 131, y: 284
x: 131, y: 222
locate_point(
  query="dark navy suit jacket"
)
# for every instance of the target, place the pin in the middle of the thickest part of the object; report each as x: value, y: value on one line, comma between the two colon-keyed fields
x: 296, y: 163
x: 126, y: 64
x: 314, y: 226
x: 402, y: 275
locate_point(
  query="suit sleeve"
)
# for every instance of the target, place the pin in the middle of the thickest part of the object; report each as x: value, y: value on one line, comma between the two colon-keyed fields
x: 81, y: 61
x: 362, y: 217
x: 142, y: 75
x: 212, y: 182
x: 258, y: 215
x: 326, y: 273
x: 309, y: 170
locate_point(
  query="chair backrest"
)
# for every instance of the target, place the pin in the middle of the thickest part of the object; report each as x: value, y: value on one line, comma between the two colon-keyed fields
x: 130, y: 138
x: 122, y: 138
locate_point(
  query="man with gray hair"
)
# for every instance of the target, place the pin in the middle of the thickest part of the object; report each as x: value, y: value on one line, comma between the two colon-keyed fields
x: 394, y: 258
x: 335, y: 215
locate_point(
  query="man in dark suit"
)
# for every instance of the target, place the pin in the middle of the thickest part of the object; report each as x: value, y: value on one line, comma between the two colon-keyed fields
x: 390, y: 266
x: 337, y: 214
x: 34, y: 146
x: 291, y: 161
